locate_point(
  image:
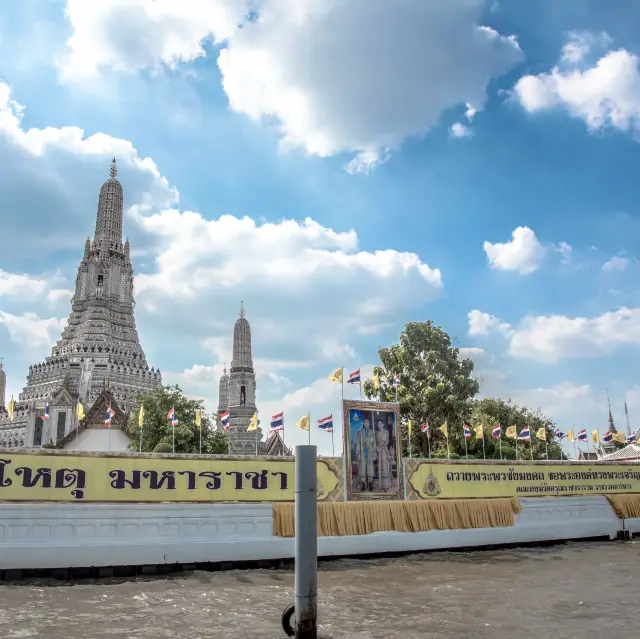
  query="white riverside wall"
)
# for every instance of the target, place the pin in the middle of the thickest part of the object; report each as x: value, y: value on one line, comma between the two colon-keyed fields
x: 52, y: 536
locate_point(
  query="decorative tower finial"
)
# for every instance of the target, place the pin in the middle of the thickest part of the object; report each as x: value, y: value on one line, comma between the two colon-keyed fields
x: 242, y: 309
x: 114, y: 169
x: 612, y: 427
x: 224, y: 370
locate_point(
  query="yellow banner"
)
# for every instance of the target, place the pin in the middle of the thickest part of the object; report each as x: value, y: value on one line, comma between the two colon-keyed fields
x: 103, y: 477
x: 437, y: 480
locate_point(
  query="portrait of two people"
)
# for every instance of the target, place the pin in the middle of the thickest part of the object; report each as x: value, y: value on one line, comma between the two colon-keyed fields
x: 373, y: 451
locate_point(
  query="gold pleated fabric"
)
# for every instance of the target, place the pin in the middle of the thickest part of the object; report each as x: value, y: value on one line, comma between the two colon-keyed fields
x: 626, y: 506
x: 363, y: 518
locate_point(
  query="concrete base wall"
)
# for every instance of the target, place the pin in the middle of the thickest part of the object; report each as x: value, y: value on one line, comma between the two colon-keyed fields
x: 60, y: 536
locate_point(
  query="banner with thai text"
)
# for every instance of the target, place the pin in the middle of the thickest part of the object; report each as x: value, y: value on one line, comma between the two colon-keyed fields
x: 106, y: 477
x: 427, y: 479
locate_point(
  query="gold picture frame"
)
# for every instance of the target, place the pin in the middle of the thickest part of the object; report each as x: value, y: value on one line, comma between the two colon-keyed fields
x: 380, y: 477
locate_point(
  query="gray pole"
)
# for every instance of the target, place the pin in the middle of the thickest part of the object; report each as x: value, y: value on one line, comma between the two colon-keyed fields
x: 306, y: 531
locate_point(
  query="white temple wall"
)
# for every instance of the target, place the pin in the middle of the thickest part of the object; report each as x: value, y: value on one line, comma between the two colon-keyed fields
x: 47, y: 536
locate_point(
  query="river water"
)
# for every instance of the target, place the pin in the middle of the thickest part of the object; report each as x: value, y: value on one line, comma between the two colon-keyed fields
x: 572, y: 591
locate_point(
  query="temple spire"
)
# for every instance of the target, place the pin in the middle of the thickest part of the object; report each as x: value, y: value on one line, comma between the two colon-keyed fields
x: 242, y: 313
x: 108, y: 233
x: 612, y: 427
x: 626, y: 413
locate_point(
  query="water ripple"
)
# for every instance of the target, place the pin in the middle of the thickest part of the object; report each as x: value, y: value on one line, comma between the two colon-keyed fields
x: 572, y: 591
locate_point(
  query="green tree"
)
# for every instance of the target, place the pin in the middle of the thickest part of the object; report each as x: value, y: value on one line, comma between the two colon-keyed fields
x: 434, y: 384
x: 491, y: 411
x: 157, y: 430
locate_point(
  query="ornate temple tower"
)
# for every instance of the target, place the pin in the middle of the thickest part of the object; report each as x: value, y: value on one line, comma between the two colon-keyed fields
x: 98, y: 358
x: 3, y: 387
x: 241, y: 391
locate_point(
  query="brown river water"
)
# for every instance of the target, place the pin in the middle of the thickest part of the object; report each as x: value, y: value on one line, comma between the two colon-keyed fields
x: 572, y: 591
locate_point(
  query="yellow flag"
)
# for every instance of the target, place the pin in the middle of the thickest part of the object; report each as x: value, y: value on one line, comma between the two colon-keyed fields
x: 410, y: 426
x: 253, y: 424
x: 141, y: 416
x: 303, y: 423
x: 444, y: 430
x: 619, y: 437
x: 336, y: 376
x: 80, y: 411
x: 595, y: 436
x: 376, y: 381
x: 10, y: 408
x: 199, y: 418
x: 479, y: 431
x: 542, y: 434
x: 511, y: 432
x: 570, y: 436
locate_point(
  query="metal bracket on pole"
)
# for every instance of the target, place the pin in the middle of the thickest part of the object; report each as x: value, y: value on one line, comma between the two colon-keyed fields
x: 306, y: 547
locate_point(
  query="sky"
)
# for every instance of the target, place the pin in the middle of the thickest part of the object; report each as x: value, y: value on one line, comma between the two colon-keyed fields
x: 343, y: 167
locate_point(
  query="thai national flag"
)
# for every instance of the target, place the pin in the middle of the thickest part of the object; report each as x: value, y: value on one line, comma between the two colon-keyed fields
x: 171, y: 416
x: 109, y: 416
x: 559, y: 434
x: 525, y: 434
x: 496, y: 433
x: 631, y: 439
x: 326, y: 424
x: 354, y: 378
x: 467, y: 431
x: 224, y: 420
x: 425, y: 429
x: 45, y: 415
x: 582, y: 435
x: 607, y: 438
x: 277, y: 422
x: 396, y: 381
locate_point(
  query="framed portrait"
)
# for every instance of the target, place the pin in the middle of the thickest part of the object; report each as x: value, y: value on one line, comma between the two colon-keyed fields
x: 373, y: 453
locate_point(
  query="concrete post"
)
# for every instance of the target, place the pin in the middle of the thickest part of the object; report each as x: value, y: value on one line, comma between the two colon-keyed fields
x: 306, y: 530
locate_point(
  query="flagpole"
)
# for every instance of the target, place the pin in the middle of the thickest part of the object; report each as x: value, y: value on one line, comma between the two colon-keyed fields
x: 282, y: 449
x: 464, y: 436
x: 140, y: 430
x: 429, y: 440
x: 333, y: 450
x: 500, y: 444
x: 309, y: 416
x: 448, y: 454
x: 341, y: 415
x: 516, y: 445
x: 173, y: 433
x: 484, y: 456
x: 200, y: 434
x: 110, y: 420
x: 531, y: 443
x: 256, y: 441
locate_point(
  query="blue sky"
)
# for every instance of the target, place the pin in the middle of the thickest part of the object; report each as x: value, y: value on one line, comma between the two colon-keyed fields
x: 498, y: 221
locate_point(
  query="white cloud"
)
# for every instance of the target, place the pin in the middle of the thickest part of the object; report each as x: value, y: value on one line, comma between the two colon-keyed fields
x: 471, y: 352
x: 550, y: 338
x: 41, y: 186
x: 606, y: 94
x: 523, y: 253
x: 333, y: 75
x: 553, y: 337
x: 31, y: 331
x: 482, y: 323
x: 21, y: 287
x: 315, y: 276
x: 459, y: 130
x: 617, y: 263
x: 130, y: 35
